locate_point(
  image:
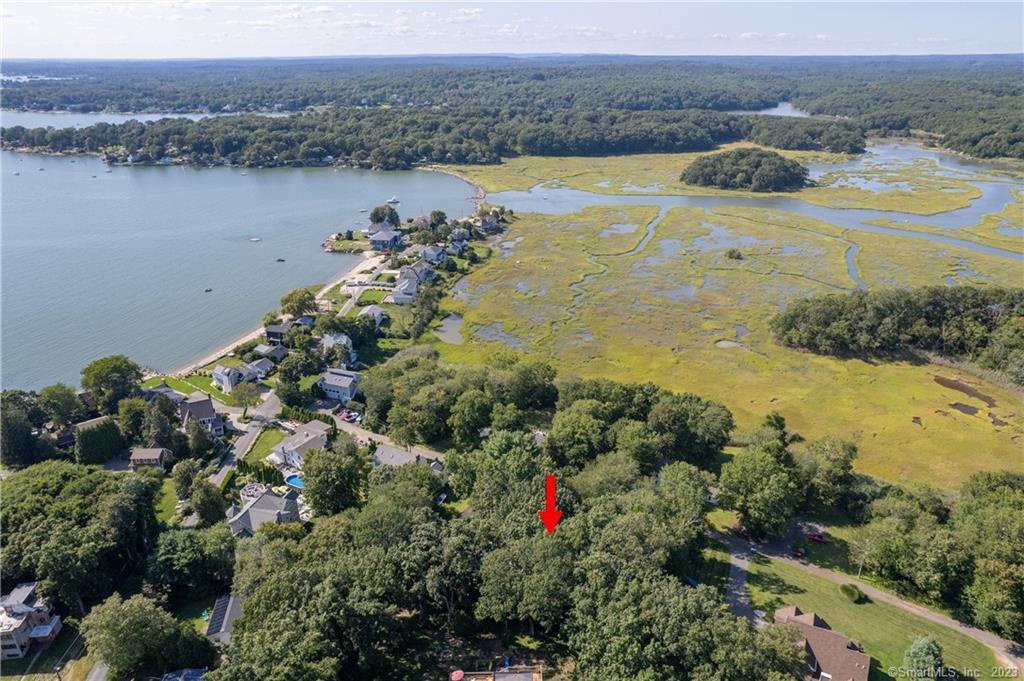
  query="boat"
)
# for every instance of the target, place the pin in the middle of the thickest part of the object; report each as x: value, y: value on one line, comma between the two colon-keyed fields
x: 15, y: 173
x: 42, y: 169
x: 245, y: 173
x: 363, y: 210
x: 108, y: 170
x: 393, y: 199
x: 207, y: 290
x: 94, y: 177
x: 280, y: 259
x: 255, y: 238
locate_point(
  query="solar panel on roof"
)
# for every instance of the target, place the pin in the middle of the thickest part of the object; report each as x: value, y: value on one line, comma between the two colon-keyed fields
x: 220, y: 609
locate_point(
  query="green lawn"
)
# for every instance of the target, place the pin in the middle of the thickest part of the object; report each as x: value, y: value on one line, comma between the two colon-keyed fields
x: 336, y: 297
x: 306, y: 382
x: 721, y: 519
x: 372, y: 295
x: 166, y: 500
x: 714, y: 567
x: 884, y: 630
x: 227, y: 360
x: 192, y: 610
x: 190, y: 384
x: 67, y: 646
x: 264, y: 445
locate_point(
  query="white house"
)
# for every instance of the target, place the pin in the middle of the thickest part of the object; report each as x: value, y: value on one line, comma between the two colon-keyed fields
x: 340, y: 384
x: 330, y: 340
x: 375, y: 311
x: 292, y: 450
x: 226, y: 378
x: 25, y: 618
x: 404, y: 292
x: 435, y: 254
x: 199, y: 406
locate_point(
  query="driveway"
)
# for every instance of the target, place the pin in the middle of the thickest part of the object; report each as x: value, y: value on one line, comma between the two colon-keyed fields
x: 268, y: 409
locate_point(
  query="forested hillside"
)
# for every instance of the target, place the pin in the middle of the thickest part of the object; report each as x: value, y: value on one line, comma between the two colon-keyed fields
x: 477, y: 110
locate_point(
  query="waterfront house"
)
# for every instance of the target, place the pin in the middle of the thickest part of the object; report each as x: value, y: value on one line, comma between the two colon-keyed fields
x: 830, y: 655
x: 388, y: 455
x: 89, y: 402
x: 150, y: 394
x: 25, y: 618
x: 388, y: 239
x: 266, y: 508
x: 261, y: 367
x: 435, y: 254
x: 274, y: 352
x: 292, y: 450
x: 275, y: 332
x: 460, y: 234
x: 404, y: 292
x: 306, y: 320
x: 340, y: 384
x: 375, y: 311
x: 420, y: 270
x: 90, y: 423
x: 226, y: 378
x: 377, y: 228
x: 421, y: 222
x: 152, y: 457
x: 199, y: 406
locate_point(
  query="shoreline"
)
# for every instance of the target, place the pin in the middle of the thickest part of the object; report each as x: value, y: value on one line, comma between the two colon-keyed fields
x: 258, y: 331
x: 479, y: 193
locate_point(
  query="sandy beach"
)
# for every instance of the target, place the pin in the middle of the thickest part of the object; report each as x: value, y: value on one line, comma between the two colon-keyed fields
x: 368, y: 261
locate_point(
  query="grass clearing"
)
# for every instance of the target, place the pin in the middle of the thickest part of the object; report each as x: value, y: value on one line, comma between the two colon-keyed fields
x: 884, y: 630
x: 599, y: 300
x: 193, y: 609
x: 372, y: 295
x: 266, y: 441
x: 166, y: 500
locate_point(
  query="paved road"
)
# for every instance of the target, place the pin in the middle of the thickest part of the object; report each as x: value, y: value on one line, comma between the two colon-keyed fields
x: 268, y: 409
x: 1007, y: 652
x: 363, y: 436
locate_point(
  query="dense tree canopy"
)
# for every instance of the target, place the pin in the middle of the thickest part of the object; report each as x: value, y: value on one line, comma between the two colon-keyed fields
x: 982, y: 324
x: 78, y: 529
x: 758, y: 170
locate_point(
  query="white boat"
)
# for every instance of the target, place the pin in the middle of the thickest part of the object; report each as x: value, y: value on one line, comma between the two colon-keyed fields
x: 245, y: 173
x: 15, y: 173
x: 255, y: 238
x: 393, y: 199
x: 108, y: 170
x: 363, y: 210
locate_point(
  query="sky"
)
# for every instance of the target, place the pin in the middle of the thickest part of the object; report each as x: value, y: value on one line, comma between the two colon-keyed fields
x: 157, y: 29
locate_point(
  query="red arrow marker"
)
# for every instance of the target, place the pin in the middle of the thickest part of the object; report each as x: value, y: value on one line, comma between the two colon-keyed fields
x: 550, y: 515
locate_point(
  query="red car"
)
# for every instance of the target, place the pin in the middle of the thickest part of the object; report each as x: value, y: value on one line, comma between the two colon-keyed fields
x: 817, y: 537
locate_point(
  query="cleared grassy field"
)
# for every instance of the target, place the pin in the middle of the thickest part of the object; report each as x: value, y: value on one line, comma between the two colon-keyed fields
x: 166, y: 500
x: 884, y: 631
x: 264, y: 445
x: 602, y: 293
x: 914, y: 189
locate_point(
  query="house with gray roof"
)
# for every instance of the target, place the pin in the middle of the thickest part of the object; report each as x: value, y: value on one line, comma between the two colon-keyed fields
x: 226, y: 378
x: 457, y: 248
x: 330, y: 340
x: 199, y: 406
x: 434, y: 254
x: 150, y: 394
x: 274, y: 352
x: 261, y: 367
x: 387, y: 239
x: 226, y: 609
x: 388, y: 455
x: 292, y: 450
x: 26, y: 618
x: 375, y: 311
x: 340, y: 384
x: 420, y: 270
x: 275, y: 332
x: 267, y: 508
x: 153, y: 457
x: 377, y: 228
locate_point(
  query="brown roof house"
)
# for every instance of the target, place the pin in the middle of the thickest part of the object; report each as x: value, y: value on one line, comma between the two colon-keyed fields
x: 154, y: 457
x: 830, y: 655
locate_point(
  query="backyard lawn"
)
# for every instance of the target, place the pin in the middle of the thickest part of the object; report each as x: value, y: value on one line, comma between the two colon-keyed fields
x: 264, y: 445
x: 884, y: 630
x: 372, y: 295
x: 190, y: 384
x: 166, y: 500
x: 192, y: 610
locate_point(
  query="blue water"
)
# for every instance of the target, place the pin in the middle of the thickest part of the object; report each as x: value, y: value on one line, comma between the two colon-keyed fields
x: 295, y: 481
x: 96, y: 263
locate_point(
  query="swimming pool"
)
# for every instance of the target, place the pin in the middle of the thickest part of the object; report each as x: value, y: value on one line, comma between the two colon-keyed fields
x: 295, y: 480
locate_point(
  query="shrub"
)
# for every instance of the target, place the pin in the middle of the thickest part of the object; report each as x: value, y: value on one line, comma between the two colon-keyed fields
x: 853, y: 592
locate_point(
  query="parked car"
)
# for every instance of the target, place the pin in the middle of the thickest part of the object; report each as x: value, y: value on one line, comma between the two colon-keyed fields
x: 817, y: 537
